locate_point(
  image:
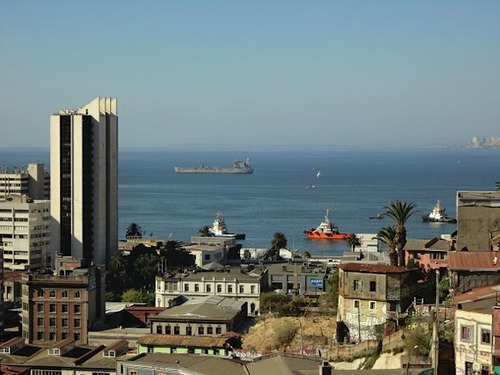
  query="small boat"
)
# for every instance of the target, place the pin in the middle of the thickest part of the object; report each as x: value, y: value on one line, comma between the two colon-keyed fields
x: 438, y: 215
x: 325, y: 231
x: 378, y: 217
x: 219, y: 229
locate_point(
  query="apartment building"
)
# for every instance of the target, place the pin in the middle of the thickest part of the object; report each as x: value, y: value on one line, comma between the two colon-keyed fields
x: 63, y: 305
x: 84, y: 181
x: 33, y: 181
x: 25, y: 233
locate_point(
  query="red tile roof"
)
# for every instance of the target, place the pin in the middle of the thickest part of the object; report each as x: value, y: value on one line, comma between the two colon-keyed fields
x: 372, y: 268
x: 474, y: 260
x: 476, y: 294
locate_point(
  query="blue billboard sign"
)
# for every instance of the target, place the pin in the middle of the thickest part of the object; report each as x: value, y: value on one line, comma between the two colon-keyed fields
x: 317, y: 283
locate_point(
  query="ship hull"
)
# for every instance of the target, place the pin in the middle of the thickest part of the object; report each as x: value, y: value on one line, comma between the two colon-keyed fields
x: 428, y: 219
x: 312, y: 234
x: 213, y: 170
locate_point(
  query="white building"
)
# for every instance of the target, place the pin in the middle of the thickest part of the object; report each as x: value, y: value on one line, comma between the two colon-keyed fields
x: 33, y: 182
x: 230, y: 283
x: 84, y: 181
x: 25, y: 233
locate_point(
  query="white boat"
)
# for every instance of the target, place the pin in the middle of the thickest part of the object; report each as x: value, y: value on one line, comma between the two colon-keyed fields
x: 438, y: 215
x: 219, y: 229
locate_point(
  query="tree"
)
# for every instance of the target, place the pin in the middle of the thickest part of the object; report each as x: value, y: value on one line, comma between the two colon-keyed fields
x: 117, y: 273
x: 204, y: 231
x: 145, y: 270
x: 307, y: 255
x: 278, y: 241
x: 353, y: 241
x: 331, y: 295
x: 388, y: 236
x: 134, y: 230
x: 247, y: 255
x: 400, y: 212
x: 131, y: 295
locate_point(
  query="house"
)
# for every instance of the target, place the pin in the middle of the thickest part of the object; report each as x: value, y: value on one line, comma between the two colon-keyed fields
x: 171, y: 344
x: 470, y: 269
x: 62, y: 358
x: 297, y: 278
x: 473, y: 341
x: 430, y: 254
x: 478, y: 216
x: 204, y: 316
x: 370, y: 294
x: 232, y: 282
x: 207, y: 253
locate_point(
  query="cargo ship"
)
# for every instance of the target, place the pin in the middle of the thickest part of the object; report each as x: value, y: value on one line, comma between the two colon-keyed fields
x: 239, y: 167
x: 325, y: 231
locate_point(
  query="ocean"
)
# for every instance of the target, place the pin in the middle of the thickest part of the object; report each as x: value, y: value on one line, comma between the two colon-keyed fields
x: 354, y: 184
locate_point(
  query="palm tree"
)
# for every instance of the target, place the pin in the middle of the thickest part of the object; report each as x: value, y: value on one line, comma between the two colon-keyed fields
x: 278, y: 241
x: 134, y: 230
x: 353, y: 241
x: 388, y: 236
x: 204, y: 231
x: 400, y: 212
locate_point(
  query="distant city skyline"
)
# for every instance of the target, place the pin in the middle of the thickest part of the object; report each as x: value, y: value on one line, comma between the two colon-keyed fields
x: 256, y: 74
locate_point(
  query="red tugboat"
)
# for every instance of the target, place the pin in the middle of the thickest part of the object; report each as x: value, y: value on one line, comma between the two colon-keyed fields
x: 325, y: 231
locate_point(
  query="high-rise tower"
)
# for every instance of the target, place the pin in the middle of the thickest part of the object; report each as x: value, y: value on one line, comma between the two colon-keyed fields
x: 84, y: 181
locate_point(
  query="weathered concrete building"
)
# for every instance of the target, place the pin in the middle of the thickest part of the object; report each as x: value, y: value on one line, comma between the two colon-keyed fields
x: 478, y: 219
x: 370, y: 294
x: 33, y: 182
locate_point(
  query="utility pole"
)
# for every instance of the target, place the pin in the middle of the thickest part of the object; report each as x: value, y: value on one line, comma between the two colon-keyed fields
x: 435, y: 327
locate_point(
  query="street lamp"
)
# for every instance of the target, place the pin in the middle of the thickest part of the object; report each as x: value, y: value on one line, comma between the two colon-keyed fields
x: 409, y: 359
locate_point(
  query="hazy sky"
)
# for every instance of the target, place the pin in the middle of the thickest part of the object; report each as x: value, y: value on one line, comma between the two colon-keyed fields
x: 255, y: 73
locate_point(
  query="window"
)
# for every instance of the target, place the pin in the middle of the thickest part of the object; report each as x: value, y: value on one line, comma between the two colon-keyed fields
x: 356, y: 304
x: 177, y: 330
x: 76, y: 309
x: 39, y: 335
x: 189, y: 331
x: 40, y: 307
x: 168, y: 330
x: 52, y: 293
x: 64, y: 294
x: 77, y: 294
x: 242, y: 288
x: 52, y: 336
x: 229, y: 288
x: 485, y: 336
x: 40, y: 322
x: 40, y: 293
x: 159, y: 329
x: 218, y: 330
x: 219, y: 288
x: 64, y: 308
x: 76, y: 323
x: 64, y: 322
x: 373, y: 286
x: 201, y: 330
x: 356, y: 285
x: 52, y: 322
x: 76, y: 336
x: 466, y: 333
x: 372, y: 305
x: 207, y: 256
x: 52, y: 307
x: 186, y: 287
x: 210, y: 331
x: 252, y: 289
x: 64, y: 335
x: 209, y: 288
x: 196, y: 287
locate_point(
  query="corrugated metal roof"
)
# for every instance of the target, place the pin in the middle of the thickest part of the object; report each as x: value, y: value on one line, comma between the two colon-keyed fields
x: 474, y: 260
x: 372, y: 268
x: 178, y: 340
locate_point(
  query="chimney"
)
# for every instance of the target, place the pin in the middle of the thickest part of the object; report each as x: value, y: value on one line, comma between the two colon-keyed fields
x: 325, y: 368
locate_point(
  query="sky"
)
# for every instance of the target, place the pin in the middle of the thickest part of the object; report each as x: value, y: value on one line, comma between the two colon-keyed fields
x: 255, y: 74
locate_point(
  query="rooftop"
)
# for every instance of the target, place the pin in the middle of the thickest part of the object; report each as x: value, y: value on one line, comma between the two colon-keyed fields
x: 474, y: 261
x: 372, y: 268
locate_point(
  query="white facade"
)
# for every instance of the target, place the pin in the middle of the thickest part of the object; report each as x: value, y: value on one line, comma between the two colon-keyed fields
x: 473, y: 342
x: 33, y: 182
x: 84, y: 181
x: 25, y: 233
x: 235, y: 285
x: 206, y: 254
